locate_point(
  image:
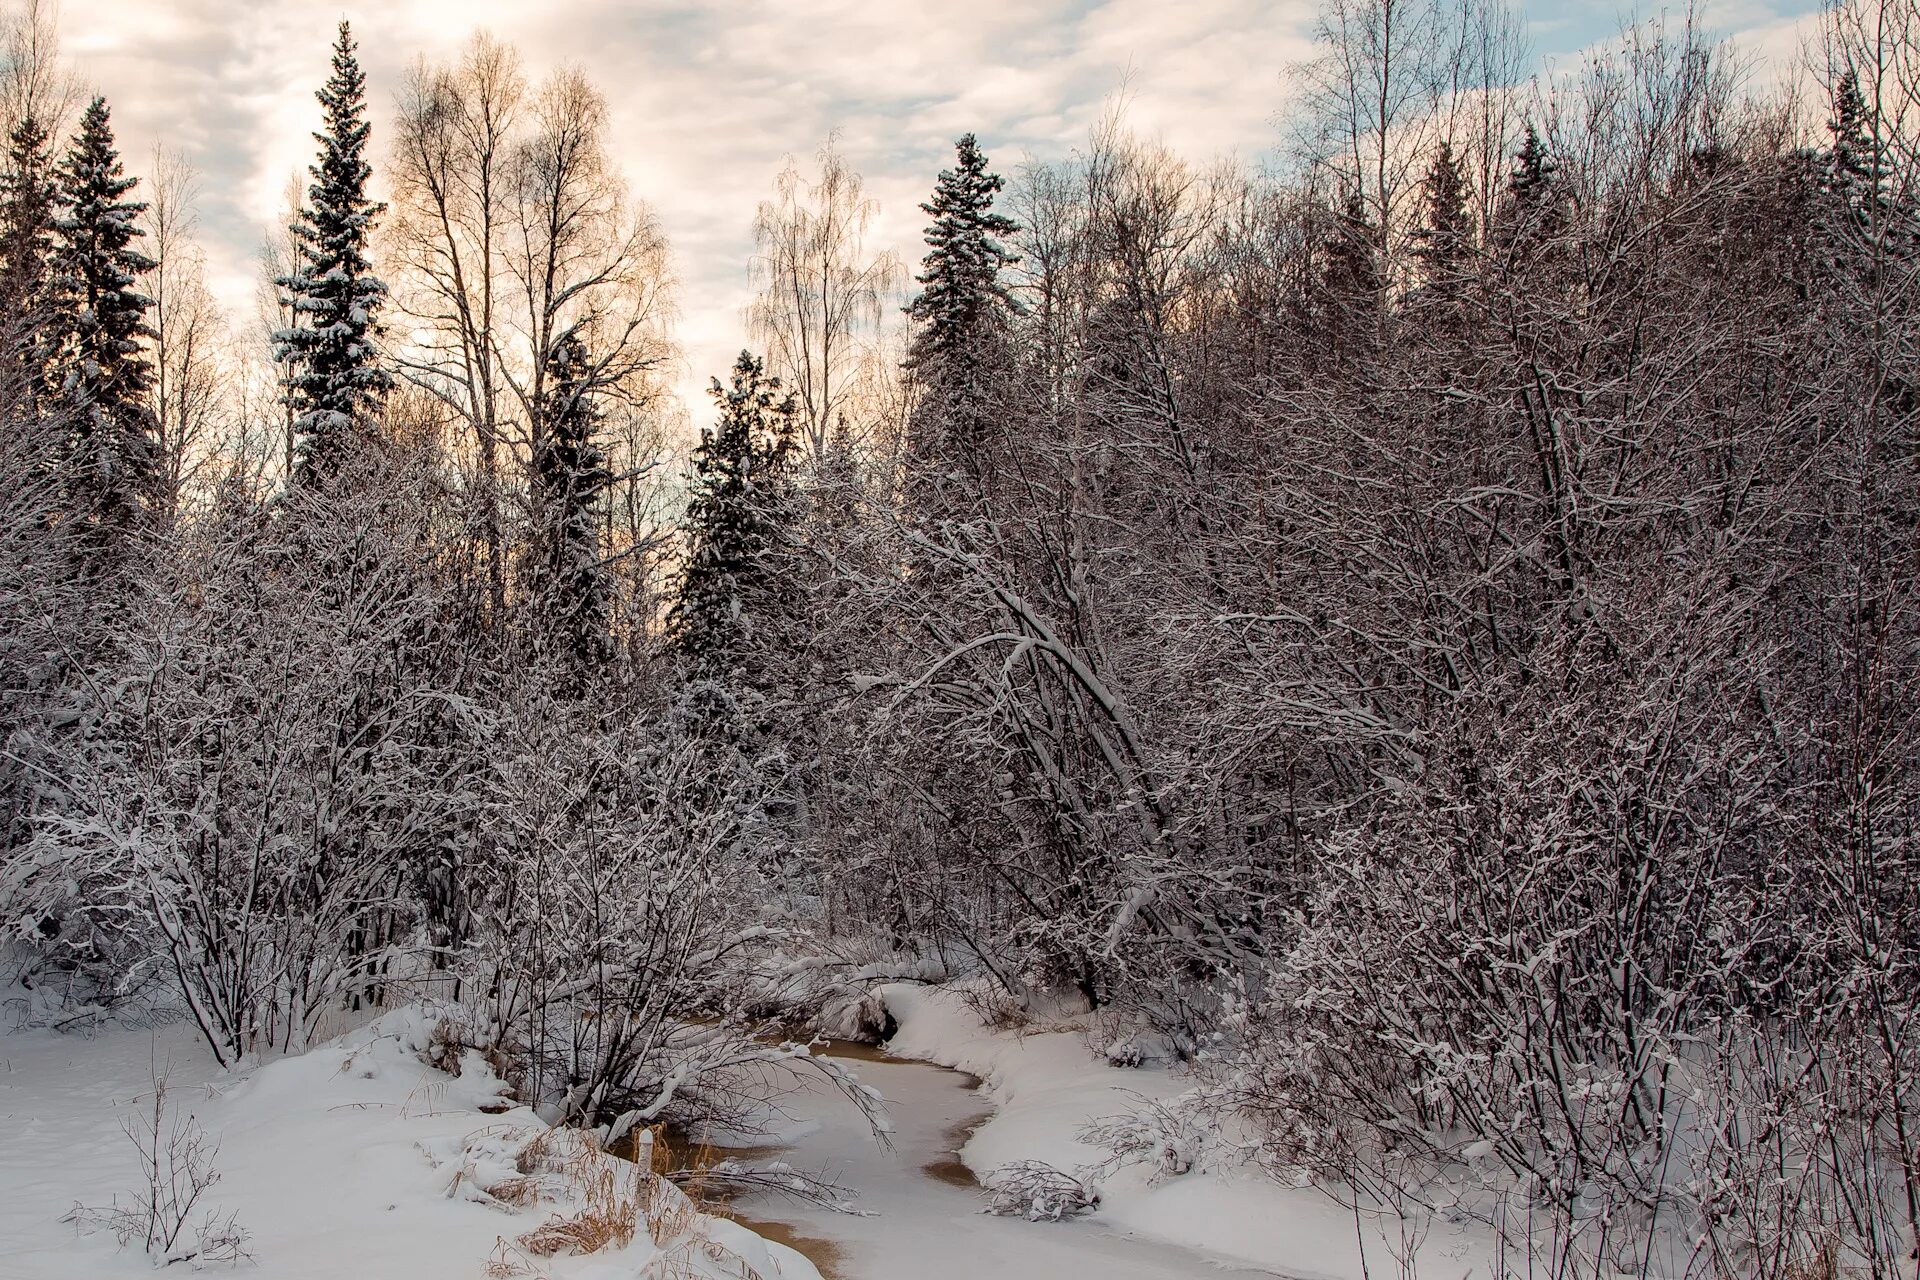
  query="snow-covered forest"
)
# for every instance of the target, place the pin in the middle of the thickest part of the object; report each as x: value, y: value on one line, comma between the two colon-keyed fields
x: 1389, y: 681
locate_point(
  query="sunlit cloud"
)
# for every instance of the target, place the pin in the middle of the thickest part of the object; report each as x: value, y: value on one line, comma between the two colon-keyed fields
x: 707, y: 101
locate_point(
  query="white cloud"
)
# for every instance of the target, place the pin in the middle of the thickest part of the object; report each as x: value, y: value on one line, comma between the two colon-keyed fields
x: 707, y: 100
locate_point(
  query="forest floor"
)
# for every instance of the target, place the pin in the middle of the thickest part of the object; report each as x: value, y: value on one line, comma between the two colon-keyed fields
x: 343, y: 1162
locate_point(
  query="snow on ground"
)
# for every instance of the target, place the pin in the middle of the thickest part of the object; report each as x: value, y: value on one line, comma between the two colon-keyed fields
x: 359, y: 1160
x: 1046, y: 1086
x: 340, y: 1162
x: 924, y: 1220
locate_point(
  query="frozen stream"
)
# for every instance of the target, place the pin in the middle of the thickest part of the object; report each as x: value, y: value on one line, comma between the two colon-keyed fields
x: 926, y: 1222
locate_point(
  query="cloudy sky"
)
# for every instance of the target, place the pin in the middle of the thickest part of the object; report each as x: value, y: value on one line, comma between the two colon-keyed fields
x: 709, y: 99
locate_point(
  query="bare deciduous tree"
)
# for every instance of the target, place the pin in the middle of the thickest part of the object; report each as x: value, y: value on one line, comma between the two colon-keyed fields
x: 822, y: 295
x: 190, y: 342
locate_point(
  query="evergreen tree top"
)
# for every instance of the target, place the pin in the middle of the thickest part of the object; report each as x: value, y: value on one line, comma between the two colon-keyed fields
x: 92, y: 168
x: 336, y: 377
x: 27, y: 190
x: 29, y: 149
x: 749, y: 401
x: 341, y: 175
x: 961, y: 272
x: 1445, y: 234
x: 99, y: 366
x: 740, y: 507
x: 99, y: 225
x: 1533, y: 168
x: 1856, y: 145
x: 963, y: 199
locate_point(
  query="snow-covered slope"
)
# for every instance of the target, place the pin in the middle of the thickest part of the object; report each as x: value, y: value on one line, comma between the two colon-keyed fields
x: 355, y: 1159
x: 1047, y: 1086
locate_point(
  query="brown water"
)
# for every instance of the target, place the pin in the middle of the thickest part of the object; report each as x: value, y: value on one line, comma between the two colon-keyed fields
x: 675, y: 1152
x: 828, y: 1255
x: 858, y: 1051
x: 950, y: 1168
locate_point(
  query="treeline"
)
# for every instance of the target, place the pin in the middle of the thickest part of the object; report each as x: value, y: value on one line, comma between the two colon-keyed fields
x: 1428, y: 635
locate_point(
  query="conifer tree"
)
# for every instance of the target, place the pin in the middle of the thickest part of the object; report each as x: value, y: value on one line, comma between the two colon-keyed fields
x: 962, y: 308
x: 569, y: 582
x: 1855, y: 174
x: 103, y: 375
x: 961, y: 272
x: 1443, y: 242
x: 1353, y: 280
x: 1533, y: 169
x: 28, y: 195
x: 1530, y: 188
x: 737, y: 521
x: 335, y: 381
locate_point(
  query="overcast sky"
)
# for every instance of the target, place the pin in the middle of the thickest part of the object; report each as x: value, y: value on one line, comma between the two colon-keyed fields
x: 708, y: 100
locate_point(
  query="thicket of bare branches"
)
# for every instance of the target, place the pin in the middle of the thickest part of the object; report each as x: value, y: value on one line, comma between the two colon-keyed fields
x: 1430, y: 635
x: 1446, y: 620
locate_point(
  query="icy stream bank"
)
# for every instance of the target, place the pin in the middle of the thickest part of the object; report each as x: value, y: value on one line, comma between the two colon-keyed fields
x: 925, y: 1218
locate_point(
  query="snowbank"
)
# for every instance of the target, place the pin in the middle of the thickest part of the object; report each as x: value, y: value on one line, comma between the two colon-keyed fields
x: 1047, y: 1086
x: 355, y: 1159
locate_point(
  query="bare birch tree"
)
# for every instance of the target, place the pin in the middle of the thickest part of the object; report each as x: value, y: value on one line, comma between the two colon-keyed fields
x: 822, y: 294
x: 515, y: 235
x: 190, y: 371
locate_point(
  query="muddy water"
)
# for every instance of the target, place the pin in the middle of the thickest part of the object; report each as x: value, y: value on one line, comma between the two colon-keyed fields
x: 920, y: 1204
x: 830, y: 1256
x: 950, y: 1168
x: 673, y: 1151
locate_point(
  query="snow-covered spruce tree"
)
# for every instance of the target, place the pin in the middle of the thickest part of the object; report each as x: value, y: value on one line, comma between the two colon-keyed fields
x: 113, y: 461
x: 1855, y: 173
x: 566, y: 578
x: 737, y: 523
x: 335, y: 380
x: 38, y: 589
x: 27, y: 197
x: 962, y: 312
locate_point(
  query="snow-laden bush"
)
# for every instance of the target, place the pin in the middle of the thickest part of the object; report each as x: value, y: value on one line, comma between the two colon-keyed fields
x: 168, y: 1215
x: 1581, y: 987
x: 1166, y: 1138
x: 264, y: 777
x: 1038, y: 1192
x: 608, y: 955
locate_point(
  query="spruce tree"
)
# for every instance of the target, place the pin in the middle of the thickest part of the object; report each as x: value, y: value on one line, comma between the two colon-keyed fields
x: 28, y: 196
x: 1352, y: 279
x: 960, y: 275
x: 1530, y: 190
x: 114, y: 463
x: 962, y: 310
x: 1443, y: 242
x: 1855, y: 175
x: 1533, y: 169
x: 335, y: 381
x: 570, y: 475
x: 738, y: 520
